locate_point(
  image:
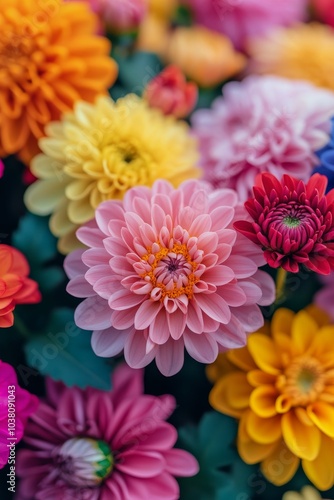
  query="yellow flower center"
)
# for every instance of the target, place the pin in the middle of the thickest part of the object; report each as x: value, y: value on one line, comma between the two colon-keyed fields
x: 170, y: 271
x: 303, y: 381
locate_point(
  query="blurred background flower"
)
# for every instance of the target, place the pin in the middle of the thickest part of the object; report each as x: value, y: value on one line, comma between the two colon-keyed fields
x: 2, y: 168
x: 301, y: 52
x: 326, y: 156
x: 280, y: 389
x: 307, y: 493
x: 242, y: 19
x: 120, y: 16
x: 15, y: 286
x: 98, y: 445
x: 262, y: 124
x: 49, y: 58
x: 24, y: 404
x: 98, y: 153
x: 324, y: 10
x: 171, y: 93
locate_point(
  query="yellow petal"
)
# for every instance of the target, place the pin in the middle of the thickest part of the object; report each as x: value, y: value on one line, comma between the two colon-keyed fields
x: 262, y: 401
x: 220, y: 367
x: 304, y: 330
x: 69, y: 242
x: 283, y: 403
x: 264, y: 430
x: 303, y: 440
x: 42, y: 197
x: 323, y: 345
x: 230, y: 395
x: 320, y: 471
x: 264, y: 353
x: 257, y: 378
x: 282, y: 321
x: 251, y: 452
x: 59, y: 222
x: 320, y: 316
x: 80, y: 211
x: 241, y: 358
x: 53, y: 147
x: 322, y: 414
x: 79, y: 189
x: 280, y: 466
x: 46, y: 168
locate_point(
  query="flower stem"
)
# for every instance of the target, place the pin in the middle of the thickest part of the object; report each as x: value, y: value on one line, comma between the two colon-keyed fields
x: 280, y: 283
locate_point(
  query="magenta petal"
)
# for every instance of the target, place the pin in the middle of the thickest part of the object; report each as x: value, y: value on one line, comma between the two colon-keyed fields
x: 162, y: 438
x: 73, y: 264
x: 161, y: 487
x: 93, y: 313
x: 201, y: 347
x: 141, y: 463
x: 127, y: 383
x: 181, y: 463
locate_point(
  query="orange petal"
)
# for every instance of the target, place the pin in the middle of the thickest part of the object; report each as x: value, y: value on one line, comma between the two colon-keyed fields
x: 263, y: 400
x: 283, y: 403
x: 14, y: 134
x: 7, y: 320
x: 241, y: 358
x: 6, y: 259
x: 282, y: 321
x: 322, y: 414
x: 263, y: 430
x: 230, y: 395
x: 321, y: 471
x: 257, y: 378
x: 304, y: 330
x: 264, y: 352
x: 280, y: 466
x: 251, y: 452
x: 303, y: 440
x: 13, y: 284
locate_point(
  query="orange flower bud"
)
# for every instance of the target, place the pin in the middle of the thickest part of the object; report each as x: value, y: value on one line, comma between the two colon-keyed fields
x: 170, y: 92
x: 206, y: 57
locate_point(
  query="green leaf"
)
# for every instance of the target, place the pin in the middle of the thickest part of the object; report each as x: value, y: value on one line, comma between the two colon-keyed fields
x: 64, y: 353
x: 34, y: 239
x: 136, y: 70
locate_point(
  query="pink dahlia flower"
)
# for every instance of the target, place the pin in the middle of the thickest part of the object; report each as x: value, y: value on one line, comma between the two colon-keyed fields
x: 120, y: 15
x: 166, y: 271
x: 96, y: 445
x: 325, y: 297
x: 242, y: 19
x: 293, y: 222
x: 13, y: 401
x: 262, y: 124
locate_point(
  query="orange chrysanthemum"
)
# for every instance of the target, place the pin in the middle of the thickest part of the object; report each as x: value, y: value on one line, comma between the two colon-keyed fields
x: 301, y: 52
x: 50, y: 57
x: 281, y: 387
x: 15, y: 286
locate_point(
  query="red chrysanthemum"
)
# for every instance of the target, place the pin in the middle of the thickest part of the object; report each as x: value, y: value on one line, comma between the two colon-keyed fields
x: 293, y: 222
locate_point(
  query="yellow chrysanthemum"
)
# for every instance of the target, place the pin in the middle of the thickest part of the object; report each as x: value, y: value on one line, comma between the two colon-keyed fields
x: 302, y: 52
x: 281, y: 387
x: 307, y: 493
x: 50, y: 57
x: 100, y: 151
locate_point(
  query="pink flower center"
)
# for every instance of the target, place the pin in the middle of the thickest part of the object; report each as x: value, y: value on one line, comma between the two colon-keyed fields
x: 170, y: 271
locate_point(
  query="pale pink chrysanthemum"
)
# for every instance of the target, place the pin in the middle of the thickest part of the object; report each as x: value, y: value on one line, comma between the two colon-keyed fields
x: 97, y: 445
x: 16, y: 405
x: 165, y: 272
x: 242, y: 19
x: 262, y: 124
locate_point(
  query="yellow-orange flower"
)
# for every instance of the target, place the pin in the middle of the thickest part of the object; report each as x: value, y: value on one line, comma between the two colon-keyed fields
x: 163, y: 8
x: 153, y: 35
x: 206, y: 57
x: 302, y: 52
x: 307, y: 493
x: 100, y: 151
x: 50, y: 57
x: 281, y: 387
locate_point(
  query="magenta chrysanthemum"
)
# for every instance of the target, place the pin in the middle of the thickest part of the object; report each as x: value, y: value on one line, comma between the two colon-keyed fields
x: 166, y: 271
x: 293, y: 222
x: 96, y: 445
x: 16, y: 405
x: 262, y: 124
x: 240, y: 19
